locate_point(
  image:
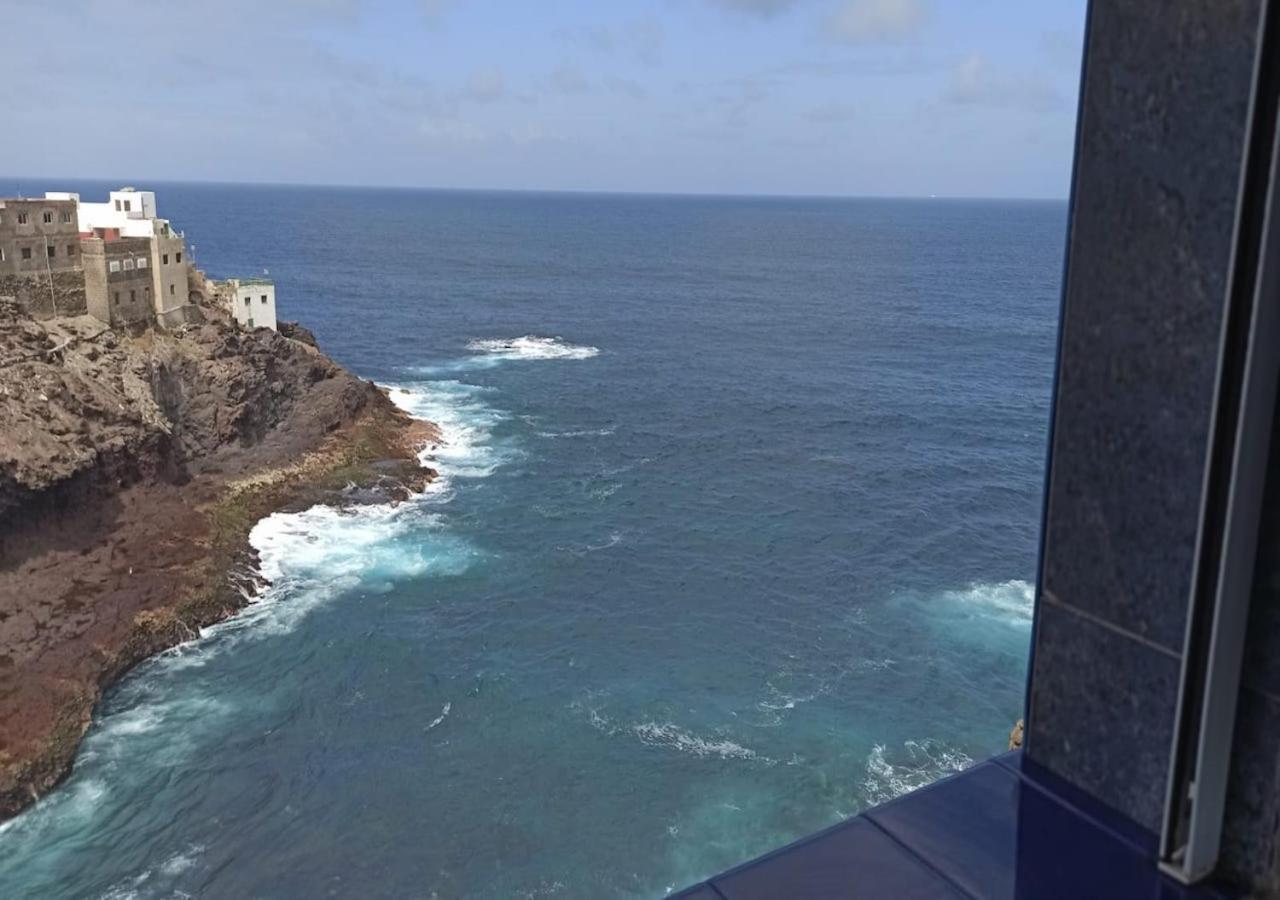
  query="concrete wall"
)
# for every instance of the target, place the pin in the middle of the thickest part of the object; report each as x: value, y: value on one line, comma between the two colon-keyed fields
x: 29, y: 244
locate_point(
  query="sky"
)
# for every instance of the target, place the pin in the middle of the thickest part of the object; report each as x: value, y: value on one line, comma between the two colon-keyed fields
x: 973, y: 98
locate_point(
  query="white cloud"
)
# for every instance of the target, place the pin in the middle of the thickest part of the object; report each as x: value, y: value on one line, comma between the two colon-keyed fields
x: 833, y: 113
x: 486, y: 86
x: 568, y: 79
x: 976, y: 83
x: 762, y: 8
x: 878, y: 21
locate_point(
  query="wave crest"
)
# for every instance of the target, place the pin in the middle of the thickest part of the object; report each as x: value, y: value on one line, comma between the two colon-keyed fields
x: 532, y: 346
x: 917, y: 764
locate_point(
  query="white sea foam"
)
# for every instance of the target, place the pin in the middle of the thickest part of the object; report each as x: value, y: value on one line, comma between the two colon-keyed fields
x: 585, y: 432
x: 1011, y: 601
x: 672, y: 737
x: 917, y: 764
x: 533, y: 347
x: 467, y: 448
x: 440, y: 718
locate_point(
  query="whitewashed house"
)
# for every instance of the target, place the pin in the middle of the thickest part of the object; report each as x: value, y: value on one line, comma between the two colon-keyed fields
x: 251, y: 301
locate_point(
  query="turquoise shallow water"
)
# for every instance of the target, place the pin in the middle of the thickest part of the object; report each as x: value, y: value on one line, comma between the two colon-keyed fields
x: 734, y: 538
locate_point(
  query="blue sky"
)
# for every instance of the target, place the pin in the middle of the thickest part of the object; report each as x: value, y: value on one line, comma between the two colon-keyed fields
x: 843, y: 97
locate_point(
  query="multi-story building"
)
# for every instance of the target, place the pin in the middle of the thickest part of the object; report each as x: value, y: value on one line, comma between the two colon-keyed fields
x: 38, y: 236
x: 251, y: 301
x: 131, y: 213
x: 117, y: 277
x: 40, y: 256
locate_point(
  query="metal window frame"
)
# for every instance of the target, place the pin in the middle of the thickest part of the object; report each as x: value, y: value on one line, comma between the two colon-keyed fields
x: 1231, y: 505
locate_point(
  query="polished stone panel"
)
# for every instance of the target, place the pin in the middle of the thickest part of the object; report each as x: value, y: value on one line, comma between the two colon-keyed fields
x: 1101, y: 712
x: 1249, y: 837
x: 1164, y: 107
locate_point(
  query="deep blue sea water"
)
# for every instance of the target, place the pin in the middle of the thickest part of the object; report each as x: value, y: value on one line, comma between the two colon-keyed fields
x: 735, y: 536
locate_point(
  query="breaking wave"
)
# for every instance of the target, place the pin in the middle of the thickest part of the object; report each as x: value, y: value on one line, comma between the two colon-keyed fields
x: 533, y: 347
x: 1012, y: 601
x: 916, y: 764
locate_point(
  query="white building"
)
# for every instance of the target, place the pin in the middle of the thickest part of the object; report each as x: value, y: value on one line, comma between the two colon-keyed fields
x: 130, y: 213
x: 252, y: 302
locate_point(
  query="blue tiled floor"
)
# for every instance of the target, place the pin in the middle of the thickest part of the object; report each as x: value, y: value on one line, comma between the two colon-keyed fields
x: 1002, y: 830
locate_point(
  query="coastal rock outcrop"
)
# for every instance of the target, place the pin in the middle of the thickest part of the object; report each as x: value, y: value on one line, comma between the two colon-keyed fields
x: 132, y: 467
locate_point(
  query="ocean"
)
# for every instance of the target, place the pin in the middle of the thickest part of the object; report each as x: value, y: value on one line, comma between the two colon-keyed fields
x: 735, y: 536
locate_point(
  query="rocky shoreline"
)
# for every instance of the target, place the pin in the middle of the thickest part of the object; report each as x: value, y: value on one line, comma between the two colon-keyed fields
x: 132, y: 468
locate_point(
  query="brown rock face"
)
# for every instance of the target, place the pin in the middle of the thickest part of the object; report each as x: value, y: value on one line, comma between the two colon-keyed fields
x: 131, y: 470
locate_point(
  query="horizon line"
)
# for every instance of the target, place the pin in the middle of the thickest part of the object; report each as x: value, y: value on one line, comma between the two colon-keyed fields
x: 743, y: 195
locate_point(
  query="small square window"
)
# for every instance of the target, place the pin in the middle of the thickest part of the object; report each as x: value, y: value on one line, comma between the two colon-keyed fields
x: 248, y: 300
x: 71, y: 249
x: 127, y: 207
x: 165, y: 259
x: 48, y: 217
x: 66, y: 217
x: 117, y: 206
x: 114, y: 265
x: 128, y: 265
x: 22, y: 218
x: 26, y: 252
x: 177, y: 257
x: 51, y: 250
x: 142, y: 262
x: 264, y: 298
x: 251, y: 323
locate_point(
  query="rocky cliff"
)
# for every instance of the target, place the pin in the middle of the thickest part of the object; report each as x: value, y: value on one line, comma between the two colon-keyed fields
x: 131, y: 470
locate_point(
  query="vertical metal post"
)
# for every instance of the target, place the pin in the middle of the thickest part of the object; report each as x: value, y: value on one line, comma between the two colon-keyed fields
x: 1222, y: 583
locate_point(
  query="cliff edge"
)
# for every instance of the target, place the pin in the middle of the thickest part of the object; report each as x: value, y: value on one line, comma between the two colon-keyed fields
x: 132, y: 467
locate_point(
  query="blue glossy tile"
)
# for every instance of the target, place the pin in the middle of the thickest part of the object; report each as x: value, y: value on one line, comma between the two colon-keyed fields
x: 1144, y: 842
x: 855, y: 861
x: 999, y: 837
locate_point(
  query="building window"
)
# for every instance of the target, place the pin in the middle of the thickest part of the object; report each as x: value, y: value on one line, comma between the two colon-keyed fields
x: 165, y: 259
x: 117, y: 206
x: 51, y: 250
x: 1, y: 254
x: 172, y: 290
x: 116, y: 299
x: 133, y: 296
x: 22, y: 218
x: 177, y: 257
x: 264, y: 298
x: 48, y: 217
x: 128, y: 265
x: 26, y: 252
x: 142, y: 262
x: 66, y: 217
x: 248, y: 300
x: 250, y: 323
x: 127, y: 204
x: 71, y: 249
x: 114, y: 265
